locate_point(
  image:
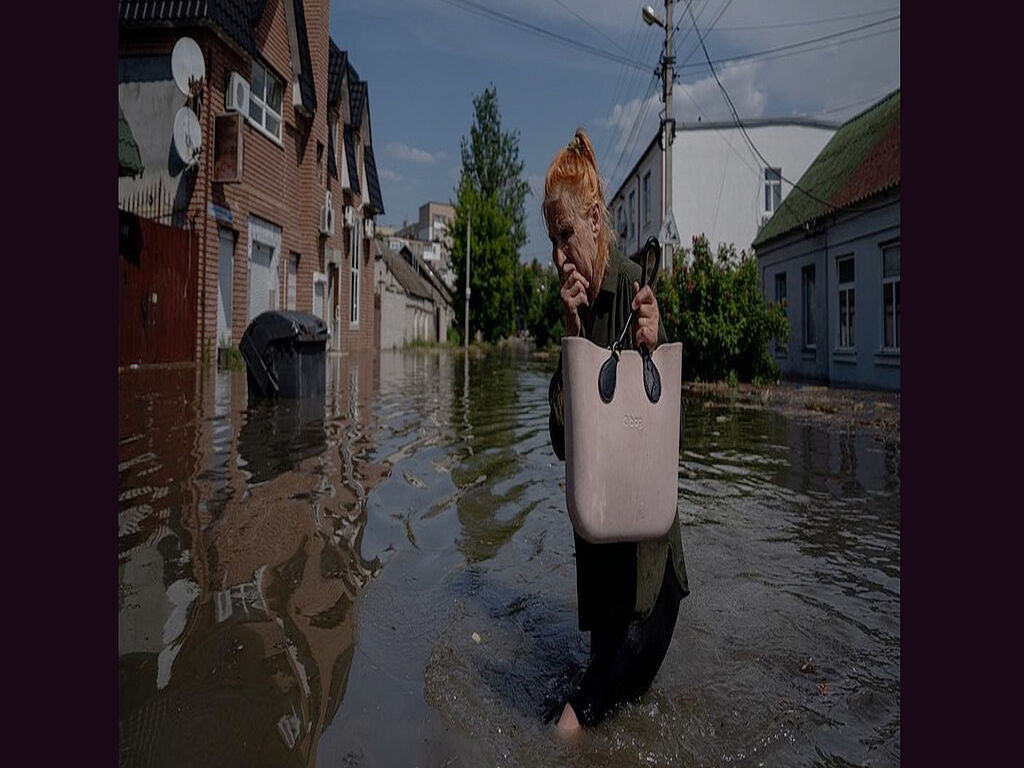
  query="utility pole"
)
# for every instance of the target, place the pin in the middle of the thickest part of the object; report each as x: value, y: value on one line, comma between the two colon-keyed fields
x: 469, y: 223
x: 669, y: 233
x: 669, y: 125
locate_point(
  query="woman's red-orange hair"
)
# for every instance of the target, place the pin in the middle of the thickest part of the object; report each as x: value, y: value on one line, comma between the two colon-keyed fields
x: 573, y: 178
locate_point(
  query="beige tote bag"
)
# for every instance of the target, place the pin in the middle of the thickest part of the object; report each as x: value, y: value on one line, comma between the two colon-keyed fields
x: 621, y: 457
x: 622, y: 411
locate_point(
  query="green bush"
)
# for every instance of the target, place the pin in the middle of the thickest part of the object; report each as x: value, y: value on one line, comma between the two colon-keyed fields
x: 715, y: 307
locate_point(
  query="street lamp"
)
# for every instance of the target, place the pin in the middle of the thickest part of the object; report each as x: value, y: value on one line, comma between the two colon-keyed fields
x: 651, y: 17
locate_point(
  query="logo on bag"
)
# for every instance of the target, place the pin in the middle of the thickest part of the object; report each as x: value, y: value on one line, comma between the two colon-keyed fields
x: 633, y: 422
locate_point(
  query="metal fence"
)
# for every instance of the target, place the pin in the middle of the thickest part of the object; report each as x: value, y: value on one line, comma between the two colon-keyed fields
x: 157, y: 289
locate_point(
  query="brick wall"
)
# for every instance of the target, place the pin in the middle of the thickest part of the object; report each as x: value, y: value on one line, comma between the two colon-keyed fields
x: 283, y: 183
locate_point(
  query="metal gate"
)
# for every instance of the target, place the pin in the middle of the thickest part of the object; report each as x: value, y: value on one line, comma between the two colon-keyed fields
x: 157, y: 283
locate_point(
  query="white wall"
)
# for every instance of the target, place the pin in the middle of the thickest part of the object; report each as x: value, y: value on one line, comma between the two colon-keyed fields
x: 718, y: 182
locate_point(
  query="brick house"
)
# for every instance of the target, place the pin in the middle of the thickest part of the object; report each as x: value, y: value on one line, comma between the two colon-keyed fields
x: 278, y: 226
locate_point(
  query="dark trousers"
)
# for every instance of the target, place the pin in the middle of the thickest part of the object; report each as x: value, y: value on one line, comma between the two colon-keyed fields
x: 625, y: 658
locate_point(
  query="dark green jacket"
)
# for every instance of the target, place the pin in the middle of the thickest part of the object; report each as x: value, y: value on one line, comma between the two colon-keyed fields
x: 615, y: 582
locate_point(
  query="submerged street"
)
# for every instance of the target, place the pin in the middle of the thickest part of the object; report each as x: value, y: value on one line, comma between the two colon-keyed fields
x: 388, y: 579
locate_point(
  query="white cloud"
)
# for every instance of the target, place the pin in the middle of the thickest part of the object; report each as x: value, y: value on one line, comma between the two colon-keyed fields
x: 389, y: 175
x: 411, y: 154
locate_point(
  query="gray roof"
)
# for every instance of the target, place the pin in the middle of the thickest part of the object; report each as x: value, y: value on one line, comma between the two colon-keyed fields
x: 405, y: 274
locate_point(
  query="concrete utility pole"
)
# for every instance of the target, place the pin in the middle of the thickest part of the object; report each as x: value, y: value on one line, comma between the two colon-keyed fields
x: 469, y: 223
x: 669, y: 126
x: 669, y: 233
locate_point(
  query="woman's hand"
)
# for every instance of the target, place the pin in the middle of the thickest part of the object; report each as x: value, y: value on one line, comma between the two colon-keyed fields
x: 647, y: 316
x: 573, y: 290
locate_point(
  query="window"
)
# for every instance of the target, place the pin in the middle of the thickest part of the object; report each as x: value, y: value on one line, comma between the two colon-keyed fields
x: 772, y: 189
x: 808, y: 318
x: 622, y: 222
x: 891, y: 296
x: 356, y: 240
x: 632, y: 208
x: 265, y: 93
x: 292, y: 277
x: 780, y: 299
x: 647, y: 199
x: 846, y: 303
x: 334, y: 138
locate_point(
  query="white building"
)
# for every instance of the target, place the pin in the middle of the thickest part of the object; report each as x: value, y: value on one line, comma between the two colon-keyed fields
x: 719, y: 186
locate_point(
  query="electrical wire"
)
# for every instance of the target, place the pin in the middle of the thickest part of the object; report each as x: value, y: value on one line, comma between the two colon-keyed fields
x: 602, y: 34
x: 760, y: 54
x: 750, y: 142
x: 810, y: 23
x: 503, y: 18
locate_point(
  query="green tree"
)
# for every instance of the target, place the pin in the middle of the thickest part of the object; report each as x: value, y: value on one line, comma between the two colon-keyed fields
x: 491, y: 196
x: 715, y: 307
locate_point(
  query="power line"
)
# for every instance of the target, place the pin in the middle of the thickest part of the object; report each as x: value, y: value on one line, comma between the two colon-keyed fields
x: 809, y: 23
x: 602, y: 34
x: 855, y: 103
x: 502, y: 18
x: 759, y: 54
x: 743, y: 130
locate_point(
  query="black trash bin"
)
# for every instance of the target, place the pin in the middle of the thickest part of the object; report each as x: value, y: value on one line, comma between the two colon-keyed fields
x: 285, y: 355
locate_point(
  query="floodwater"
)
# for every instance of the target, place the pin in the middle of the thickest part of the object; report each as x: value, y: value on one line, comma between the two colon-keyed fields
x: 387, y: 579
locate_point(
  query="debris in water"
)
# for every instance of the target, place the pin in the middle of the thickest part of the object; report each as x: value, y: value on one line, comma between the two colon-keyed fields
x: 476, y: 637
x: 807, y: 666
x: 822, y: 689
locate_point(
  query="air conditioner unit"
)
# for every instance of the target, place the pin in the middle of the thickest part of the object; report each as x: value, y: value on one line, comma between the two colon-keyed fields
x: 326, y: 220
x: 350, y: 216
x: 236, y: 98
x: 368, y: 228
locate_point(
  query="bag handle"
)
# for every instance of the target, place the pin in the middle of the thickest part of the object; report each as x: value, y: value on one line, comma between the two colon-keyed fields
x: 606, y: 377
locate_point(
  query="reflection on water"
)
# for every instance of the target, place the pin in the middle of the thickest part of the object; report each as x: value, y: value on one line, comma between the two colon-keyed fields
x: 387, y: 578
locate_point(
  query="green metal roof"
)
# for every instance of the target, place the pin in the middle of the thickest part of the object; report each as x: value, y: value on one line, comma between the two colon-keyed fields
x: 861, y: 160
x: 129, y: 161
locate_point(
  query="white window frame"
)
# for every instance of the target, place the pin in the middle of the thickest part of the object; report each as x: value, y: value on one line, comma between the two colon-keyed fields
x: 291, y: 287
x: 846, y: 291
x: 893, y: 280
x: 632, y: 212
x: 339, y: 154
x: 772, y: 190
x: 259, y: 101
x: 781, y: 279
x: 646, y: 198
x: 807, y: 299
x: 320, y: 277
x: 354, y: 250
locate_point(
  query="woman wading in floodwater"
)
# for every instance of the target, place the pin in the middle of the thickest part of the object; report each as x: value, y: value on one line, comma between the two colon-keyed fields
x: 628, y: 593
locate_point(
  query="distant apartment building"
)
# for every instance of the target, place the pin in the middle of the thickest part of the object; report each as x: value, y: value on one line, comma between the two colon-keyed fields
x: 719, y: 187
x: 428, y: 239
x: 283, y: 187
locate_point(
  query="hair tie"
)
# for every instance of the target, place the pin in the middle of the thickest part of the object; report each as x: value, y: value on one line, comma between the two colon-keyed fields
x: 574, y: 145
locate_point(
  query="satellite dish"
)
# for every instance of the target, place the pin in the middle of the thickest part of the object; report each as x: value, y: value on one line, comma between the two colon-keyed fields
x: 187, y: 64
x: 188, y: 136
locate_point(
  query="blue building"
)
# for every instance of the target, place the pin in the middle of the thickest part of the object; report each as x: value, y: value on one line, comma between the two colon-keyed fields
x: 831, y: 256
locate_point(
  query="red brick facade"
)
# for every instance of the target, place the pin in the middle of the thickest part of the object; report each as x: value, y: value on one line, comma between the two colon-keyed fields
x: 283, y: 183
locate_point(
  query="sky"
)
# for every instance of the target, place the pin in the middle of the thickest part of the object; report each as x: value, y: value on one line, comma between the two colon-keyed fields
x: 591, y: 63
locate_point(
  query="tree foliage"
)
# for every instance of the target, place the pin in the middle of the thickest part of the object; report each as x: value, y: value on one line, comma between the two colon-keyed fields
x: 491, y: 198
x: 540, y: 303
x: 715, y: 307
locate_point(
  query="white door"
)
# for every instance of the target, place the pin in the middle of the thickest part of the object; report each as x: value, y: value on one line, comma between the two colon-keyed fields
x: 225, y: 275
x: 262, y: 284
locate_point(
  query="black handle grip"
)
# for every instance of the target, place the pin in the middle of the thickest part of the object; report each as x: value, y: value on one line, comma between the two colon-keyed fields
x: 652, y: 245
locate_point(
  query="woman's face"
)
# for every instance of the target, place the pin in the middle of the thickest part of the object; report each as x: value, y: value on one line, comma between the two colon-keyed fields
x: 574, y: 239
